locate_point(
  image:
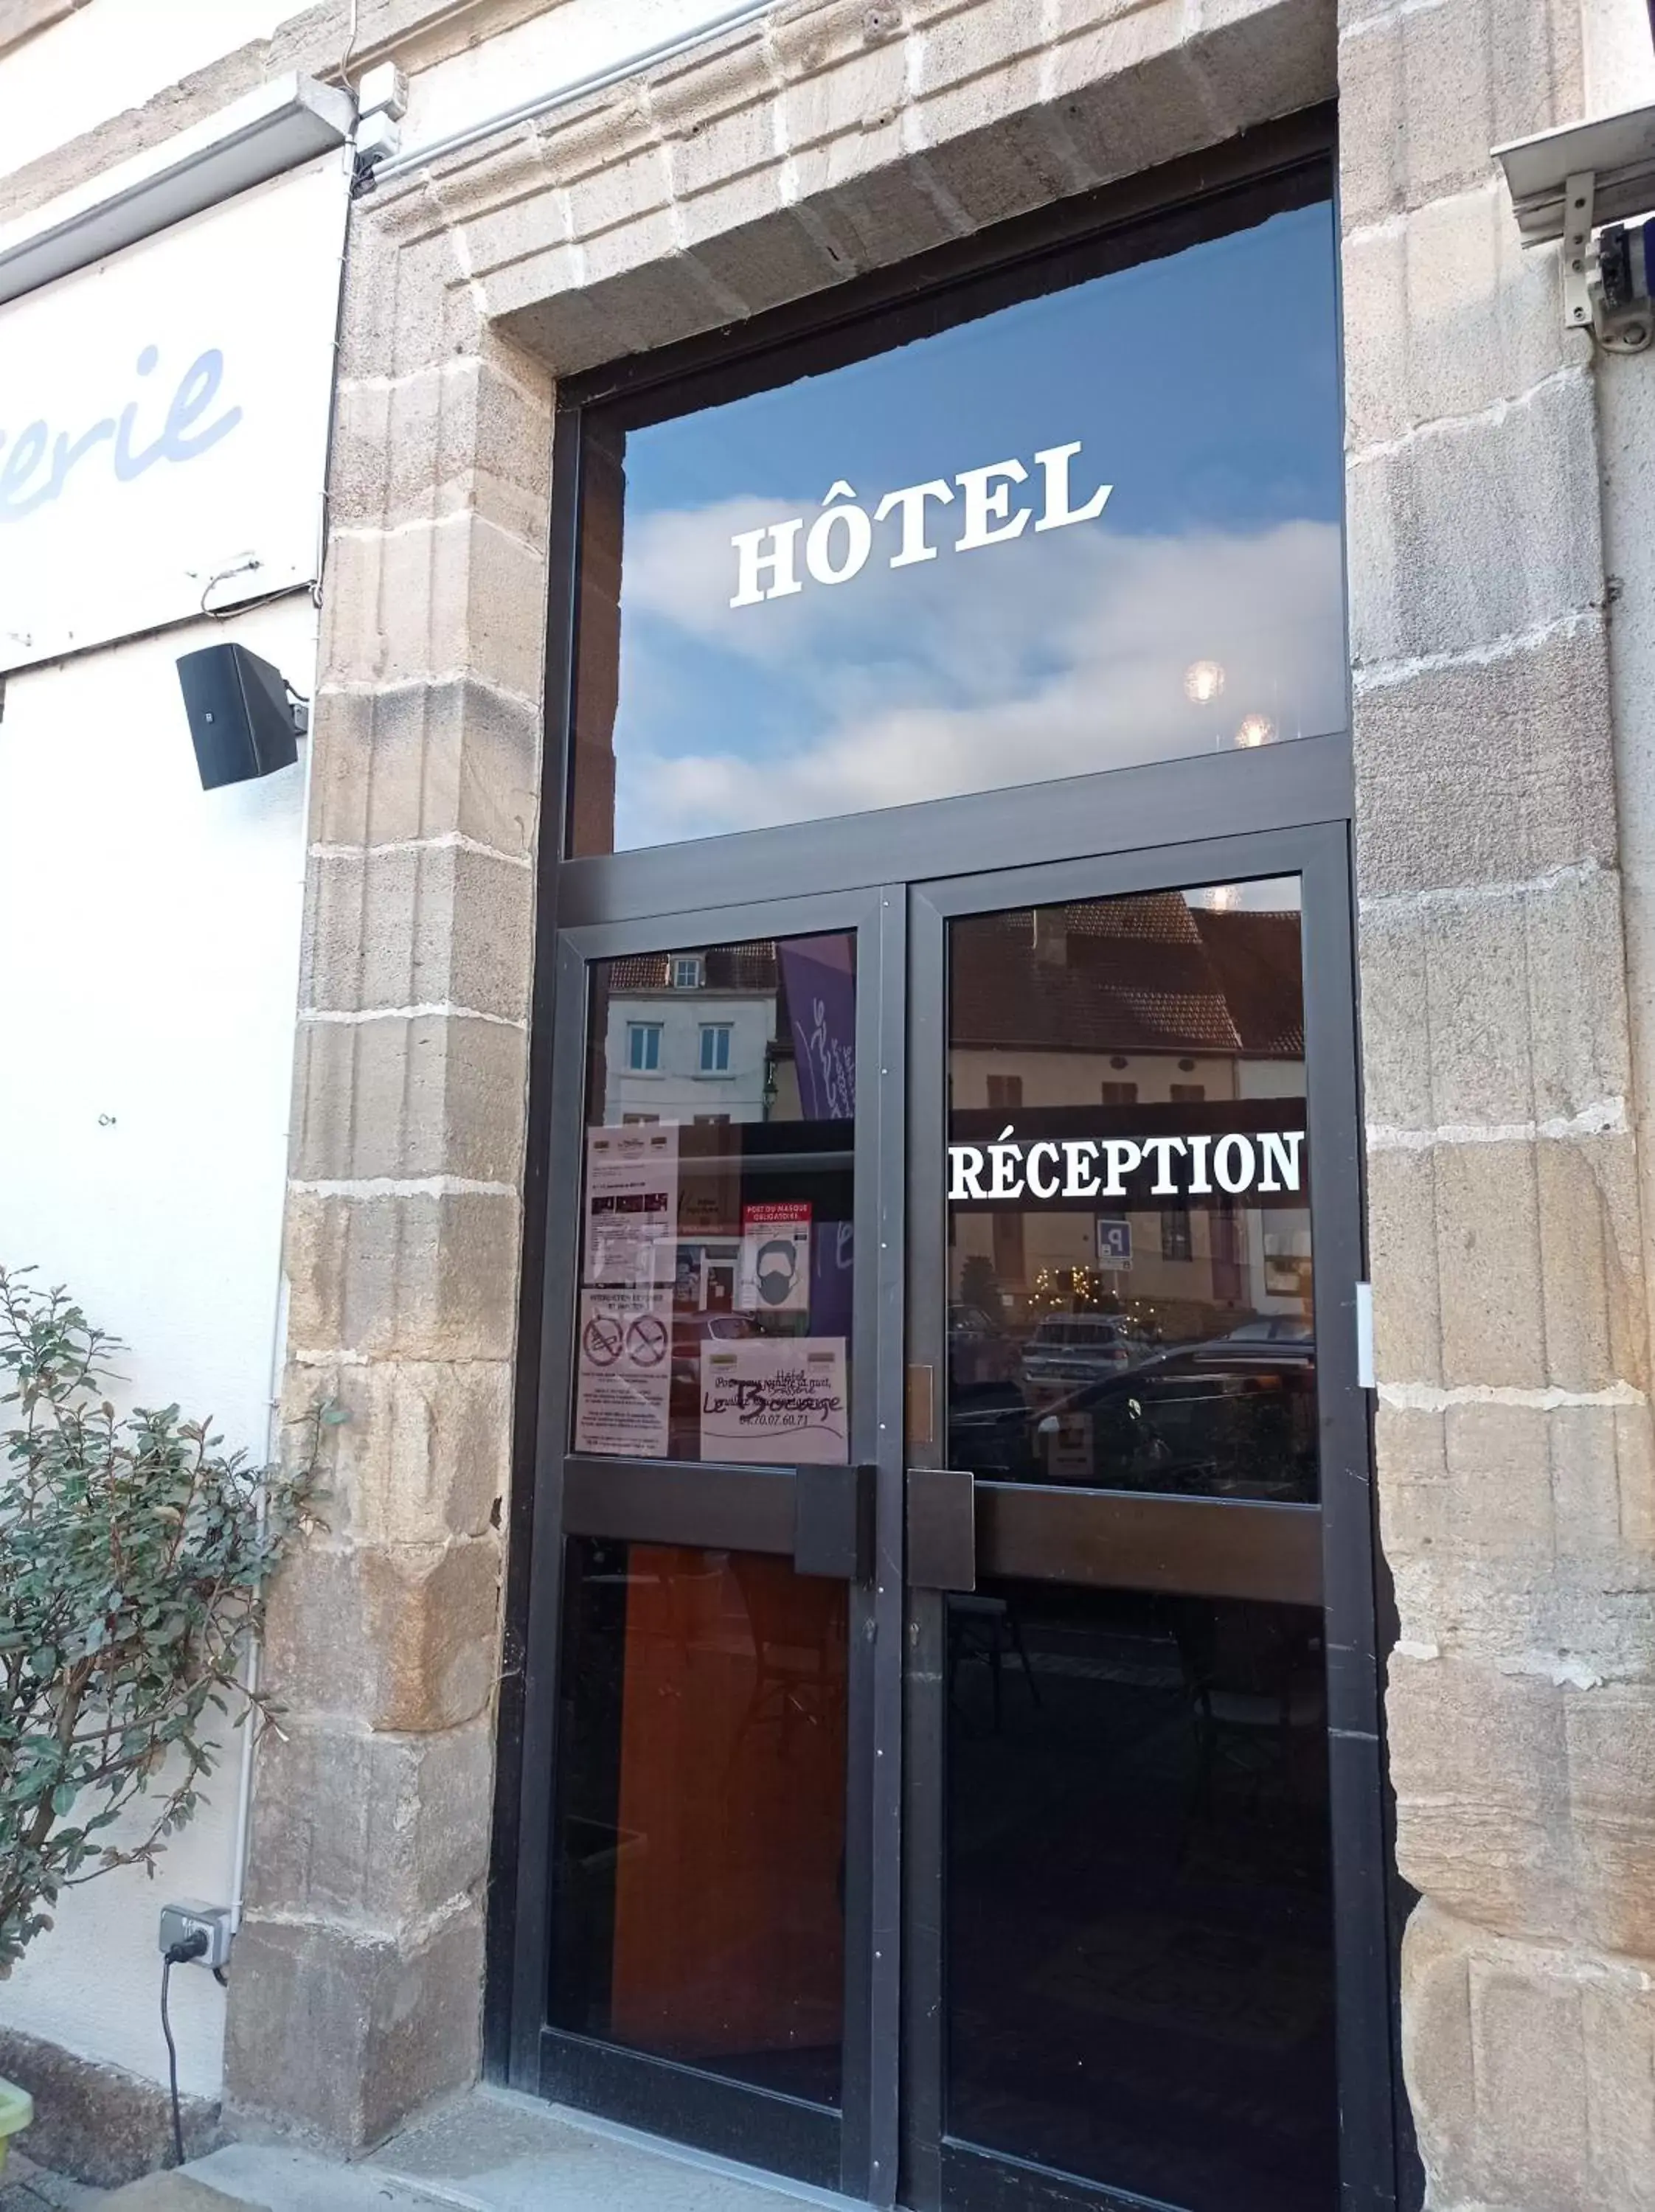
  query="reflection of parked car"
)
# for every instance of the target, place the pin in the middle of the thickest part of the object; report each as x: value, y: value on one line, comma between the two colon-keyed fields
x: 1271, y: 1328
x: 1226, y: 1418
x: 1069, y: 1348
x: 981, y: 1356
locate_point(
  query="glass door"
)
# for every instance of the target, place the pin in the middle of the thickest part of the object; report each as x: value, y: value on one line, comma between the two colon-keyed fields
x: 951, y: 1645
x: 1143, y: 1806
x: 719, y: 1423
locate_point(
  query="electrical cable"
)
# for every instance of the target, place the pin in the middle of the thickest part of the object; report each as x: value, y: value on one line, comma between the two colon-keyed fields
x: 172, y: 2062
x: 176, y: 1955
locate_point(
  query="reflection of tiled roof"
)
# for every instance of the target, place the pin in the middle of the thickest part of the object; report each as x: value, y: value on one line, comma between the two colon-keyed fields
x: 726, y: 968
x: 1121, y: 974
x: 1128, y: 974
x: 1256, y: 956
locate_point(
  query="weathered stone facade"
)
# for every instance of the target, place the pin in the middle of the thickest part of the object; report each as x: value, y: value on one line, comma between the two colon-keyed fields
x: 1516, y: 1491
x: 1507, y: 1240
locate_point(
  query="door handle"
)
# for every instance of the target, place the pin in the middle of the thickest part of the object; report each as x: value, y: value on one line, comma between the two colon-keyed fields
x: 833, y: 1522
x: 941, y: 1529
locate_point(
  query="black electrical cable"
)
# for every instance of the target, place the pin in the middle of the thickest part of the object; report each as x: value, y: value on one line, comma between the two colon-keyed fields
x: 176, y: 1954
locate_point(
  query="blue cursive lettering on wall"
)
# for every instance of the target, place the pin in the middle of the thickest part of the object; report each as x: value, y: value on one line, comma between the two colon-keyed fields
x: 28, y: 479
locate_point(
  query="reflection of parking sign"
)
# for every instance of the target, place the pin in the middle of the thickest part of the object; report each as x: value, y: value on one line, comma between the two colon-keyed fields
x: 1114, y: 1242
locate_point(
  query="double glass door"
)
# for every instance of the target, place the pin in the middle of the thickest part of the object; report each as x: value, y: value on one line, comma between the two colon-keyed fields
x: 960, y: 1784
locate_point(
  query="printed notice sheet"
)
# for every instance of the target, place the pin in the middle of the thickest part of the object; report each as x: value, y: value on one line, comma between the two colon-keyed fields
x: 776, y: 1398
x: 631, y: 1203
x: 623, y: 1374
x: 775, y: 1259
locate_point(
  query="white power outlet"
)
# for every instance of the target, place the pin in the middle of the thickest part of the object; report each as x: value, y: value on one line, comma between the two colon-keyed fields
x: 178, y: 1922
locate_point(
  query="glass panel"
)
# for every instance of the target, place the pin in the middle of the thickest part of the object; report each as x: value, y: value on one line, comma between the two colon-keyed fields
x: 716, y: 1263
x: 1140, y: 1930
x: 699, y: 1884
x: 1094, y: 526
x: 1129, y: 1234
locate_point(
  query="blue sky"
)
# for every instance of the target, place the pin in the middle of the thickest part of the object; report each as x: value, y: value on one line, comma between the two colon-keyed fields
x: 1203, y: 387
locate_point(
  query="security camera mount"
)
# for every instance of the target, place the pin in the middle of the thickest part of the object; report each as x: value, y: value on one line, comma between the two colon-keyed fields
x: 381, y: 103
x: 1592, y: 186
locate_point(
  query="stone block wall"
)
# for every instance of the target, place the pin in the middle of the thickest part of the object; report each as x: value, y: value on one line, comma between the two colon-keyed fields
x: 831, y: 137
x: 1516, y: 1480
x: 358, y: 1982
x: 1517, y: 1476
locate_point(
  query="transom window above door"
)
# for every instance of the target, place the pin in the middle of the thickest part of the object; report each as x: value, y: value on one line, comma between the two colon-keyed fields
x: 1068, y: 517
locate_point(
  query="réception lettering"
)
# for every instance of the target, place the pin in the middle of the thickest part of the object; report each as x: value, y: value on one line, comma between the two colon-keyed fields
x: 840, y: 541
x: 1266, y: 1162
x: 39, y: 465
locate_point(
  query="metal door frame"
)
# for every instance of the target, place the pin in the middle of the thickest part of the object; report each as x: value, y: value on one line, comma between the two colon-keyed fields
x: 737, y: 1508
x: 589, y: 907
x: 892, y: 2075
x: 935, y: 2170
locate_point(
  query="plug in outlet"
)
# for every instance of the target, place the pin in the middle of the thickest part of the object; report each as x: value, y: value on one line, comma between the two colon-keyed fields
x: 179, y: 1922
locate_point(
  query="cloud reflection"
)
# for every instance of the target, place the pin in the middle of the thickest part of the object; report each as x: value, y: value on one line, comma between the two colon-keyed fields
x: 1050, y: 657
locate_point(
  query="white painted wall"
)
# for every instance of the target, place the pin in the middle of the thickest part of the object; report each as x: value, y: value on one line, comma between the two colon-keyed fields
x: 113, y: 55
x: 1620, y: 58
x: 149, y: 968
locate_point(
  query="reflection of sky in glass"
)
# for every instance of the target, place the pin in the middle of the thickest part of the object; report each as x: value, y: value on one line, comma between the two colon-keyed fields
x: 1202, y: 386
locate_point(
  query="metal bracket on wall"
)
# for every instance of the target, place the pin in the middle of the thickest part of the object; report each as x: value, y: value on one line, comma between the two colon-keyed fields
x: 1589, y: 186
x: 1579, y: 191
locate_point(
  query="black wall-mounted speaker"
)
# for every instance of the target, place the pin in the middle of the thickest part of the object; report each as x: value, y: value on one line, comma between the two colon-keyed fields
x: 240, y: 720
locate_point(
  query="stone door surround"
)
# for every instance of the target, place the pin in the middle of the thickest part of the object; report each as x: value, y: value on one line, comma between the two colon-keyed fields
x: 831, y: 137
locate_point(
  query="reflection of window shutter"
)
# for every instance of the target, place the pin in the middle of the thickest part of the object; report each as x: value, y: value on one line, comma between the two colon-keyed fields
x: 1008, y: 1249
x: 1224, y: 1242
x: 1005, y: 1091
x: 1117, y: 1093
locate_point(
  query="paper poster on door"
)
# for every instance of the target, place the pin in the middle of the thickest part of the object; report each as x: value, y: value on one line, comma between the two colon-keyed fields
x: 775, y: 1259
x: 631, y: 1203
x: 623, y: 1374
x: 780, y: 1399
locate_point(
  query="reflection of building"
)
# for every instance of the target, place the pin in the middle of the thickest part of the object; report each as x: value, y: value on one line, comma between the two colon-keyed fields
x: 692, y: 1036
x: 1137, y: 1007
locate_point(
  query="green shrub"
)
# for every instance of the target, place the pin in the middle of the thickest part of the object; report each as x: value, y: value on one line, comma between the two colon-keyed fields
x: 134, y: 1556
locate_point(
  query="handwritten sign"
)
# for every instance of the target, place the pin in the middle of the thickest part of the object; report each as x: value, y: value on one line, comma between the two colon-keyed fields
x: 775, y: 1399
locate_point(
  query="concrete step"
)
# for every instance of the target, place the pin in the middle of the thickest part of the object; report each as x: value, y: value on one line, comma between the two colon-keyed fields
x: 495, y: 2152
x: 170, y: 2192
